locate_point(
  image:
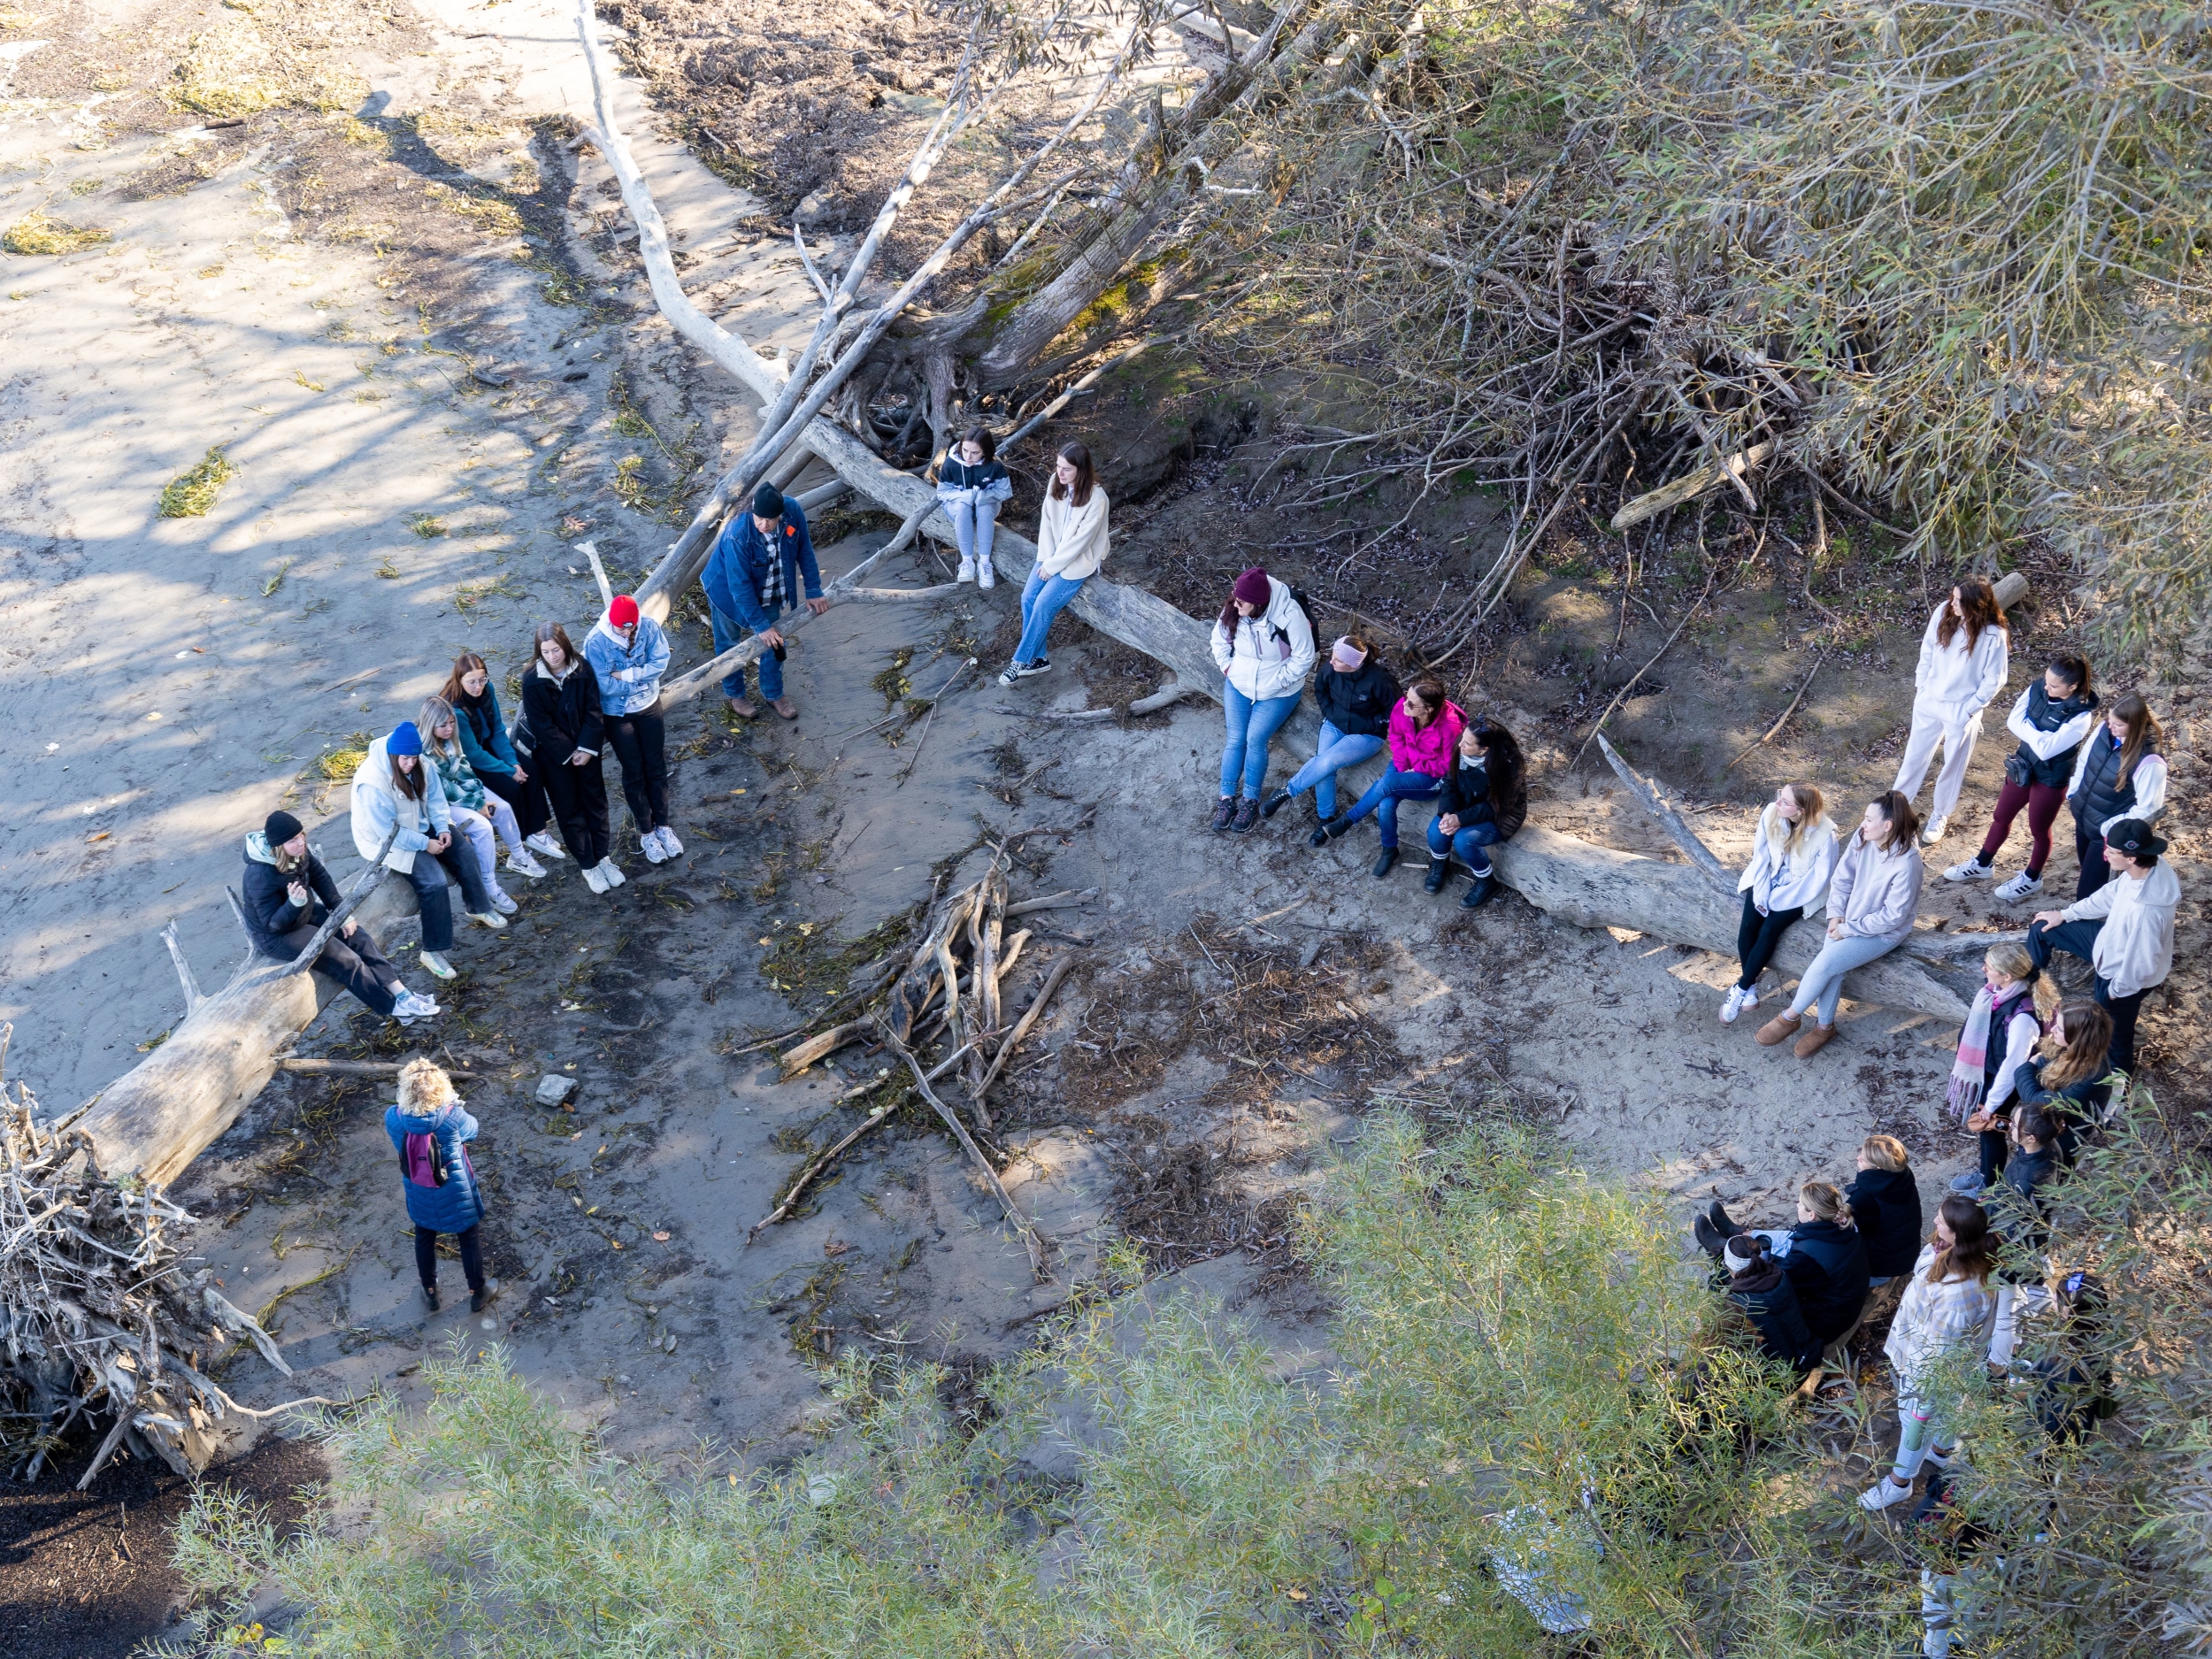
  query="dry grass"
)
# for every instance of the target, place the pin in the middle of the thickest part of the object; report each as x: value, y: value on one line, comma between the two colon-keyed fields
x: 37, y: 233
x: 191, y: 494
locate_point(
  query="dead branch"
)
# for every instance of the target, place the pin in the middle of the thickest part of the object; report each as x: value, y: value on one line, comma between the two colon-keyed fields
x: 1655, y: 801
x: 352, y: 1068
x: 1032, y: 1240
x: 1782, y: 721
x: 1030, y: 1016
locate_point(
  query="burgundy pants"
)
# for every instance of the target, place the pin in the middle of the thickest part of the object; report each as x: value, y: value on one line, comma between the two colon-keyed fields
x: 2043, y: 800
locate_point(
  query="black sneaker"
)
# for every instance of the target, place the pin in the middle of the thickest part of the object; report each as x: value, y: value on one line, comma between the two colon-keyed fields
x: 1224, y: 809
x: 1247, y: 817
x: 1335, y: 830
x: 1478, y: 894
x: 430, y: 1297
x: 1385, y: 861
x: 1275, y: 803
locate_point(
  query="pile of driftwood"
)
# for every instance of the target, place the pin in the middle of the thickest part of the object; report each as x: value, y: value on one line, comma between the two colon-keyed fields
x: 947, y: 995
x: 100, y: 1316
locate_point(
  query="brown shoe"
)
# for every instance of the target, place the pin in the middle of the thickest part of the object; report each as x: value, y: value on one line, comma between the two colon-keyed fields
x: 786, y: 708
x: 1781, y: 1028
x: 743, y: 709
x: 1813, y: 1042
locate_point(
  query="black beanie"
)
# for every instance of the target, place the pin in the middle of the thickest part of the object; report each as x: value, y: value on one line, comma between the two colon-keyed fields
x: 281, y: 827
x: 767, y: 501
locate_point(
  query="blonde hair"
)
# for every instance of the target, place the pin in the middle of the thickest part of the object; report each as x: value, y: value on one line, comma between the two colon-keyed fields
x: 1885, y: 1152
x: 1812, y: 813
x: 1824, y: 1200
x: 424, y: 1088
x: 436, y: 712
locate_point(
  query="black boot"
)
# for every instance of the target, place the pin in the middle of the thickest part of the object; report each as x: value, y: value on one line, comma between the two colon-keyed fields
x: 1439, y: 868
x: 430, y: 1297
x: 1275, y: 803
x: 1385, y: 861
x: 479, y: 1297
x: 1722, y: 1224
x: 1335, y: 829
x: 1711, y: 1238
x: 1479, y: 894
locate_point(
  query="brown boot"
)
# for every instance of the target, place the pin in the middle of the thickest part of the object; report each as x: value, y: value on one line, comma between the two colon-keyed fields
x: 1781, y: 1028
x: 1813, y: 1040
x: 743, y: 708
x: 786, y: 708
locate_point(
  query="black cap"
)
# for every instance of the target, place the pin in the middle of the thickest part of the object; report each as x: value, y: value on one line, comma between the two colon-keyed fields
x: 2133, y: 837
x: 767, y: 501
x: 280, y: 827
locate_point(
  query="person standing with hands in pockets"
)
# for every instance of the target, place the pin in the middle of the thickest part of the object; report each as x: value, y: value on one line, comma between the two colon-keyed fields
x: 1963, y: 659
x: 629, y: 653
x: 751, y: 579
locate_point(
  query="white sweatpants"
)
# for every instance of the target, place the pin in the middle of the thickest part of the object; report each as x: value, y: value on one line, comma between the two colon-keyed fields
x: 1932, y: 724
x: 2015, y: 1302
x: 478, y: 830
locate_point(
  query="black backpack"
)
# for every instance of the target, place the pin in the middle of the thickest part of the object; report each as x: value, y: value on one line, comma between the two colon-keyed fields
x: 1305, y: 604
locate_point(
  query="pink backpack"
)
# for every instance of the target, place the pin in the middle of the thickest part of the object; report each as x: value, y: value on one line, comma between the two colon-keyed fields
x: 422, y: 1161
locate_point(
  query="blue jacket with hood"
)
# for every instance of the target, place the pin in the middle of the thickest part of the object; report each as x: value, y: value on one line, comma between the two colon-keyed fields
x: 458, y: 1205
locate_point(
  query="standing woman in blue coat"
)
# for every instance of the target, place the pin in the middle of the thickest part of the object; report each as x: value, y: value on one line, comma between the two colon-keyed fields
x: 752, y: 578
x: 430, y: 1130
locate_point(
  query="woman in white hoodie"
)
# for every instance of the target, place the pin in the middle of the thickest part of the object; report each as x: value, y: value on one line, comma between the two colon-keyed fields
x: 399, y: 808
x: 1871, y: 898
x: 1263, y: 645
x: 1070, y: 547
x: 1964, y: 657
x: 1944, y: 1320
x: 1792, y: 859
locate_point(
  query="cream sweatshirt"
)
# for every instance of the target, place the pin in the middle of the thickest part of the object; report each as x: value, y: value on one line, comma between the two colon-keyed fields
x: 1874, y: 894
x: 1958, y: 682
x: 1071, y: 539
x: 2135, y: 947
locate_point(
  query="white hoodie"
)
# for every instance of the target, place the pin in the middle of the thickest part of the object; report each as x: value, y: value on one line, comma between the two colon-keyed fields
x: 1779, y: 880
x: 1272, y: 658
x: 2135, y: 947
x: 1955, y: 682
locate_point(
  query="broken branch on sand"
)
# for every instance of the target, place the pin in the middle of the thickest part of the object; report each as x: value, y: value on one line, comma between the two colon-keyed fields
x: 1032, y: 1240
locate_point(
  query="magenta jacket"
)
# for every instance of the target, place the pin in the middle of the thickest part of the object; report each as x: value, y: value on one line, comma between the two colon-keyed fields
x: 1426, y: 749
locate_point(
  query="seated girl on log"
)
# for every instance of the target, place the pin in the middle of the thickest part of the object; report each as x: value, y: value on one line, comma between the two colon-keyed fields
x: 430, y: 1129
x: 1071, y: 543
x: 482, y: 818
x: 1355, y: 692
x: 1424, y: 729
x: 559, y: 736
x: 287, y: 895
x: 1792, y: 857
x: 1263, y: 646
x: 1484, y: 803
x: 483, y: 734
x: 972, y: 486
x: 395, y: 795
x: 1996, y: 1043
x: 1871, y: 898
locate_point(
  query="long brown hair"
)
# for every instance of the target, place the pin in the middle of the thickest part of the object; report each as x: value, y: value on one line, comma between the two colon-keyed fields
x: 466, y: 662
x: 1430, y: 691
x: 2144, y: 733
x: 1078, y: 457
x: 1978, y: 600
x: 1904, y: 823
x: 411, y: 784
x: 2087, y: 1045
x: 554, y: 632
x: 1967, y: 1256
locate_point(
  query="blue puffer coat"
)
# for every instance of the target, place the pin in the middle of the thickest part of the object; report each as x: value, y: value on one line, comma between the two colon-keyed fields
x: 458, y: 1205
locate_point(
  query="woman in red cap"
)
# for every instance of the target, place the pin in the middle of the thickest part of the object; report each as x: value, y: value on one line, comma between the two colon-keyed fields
x: 628, y: 653
x: 1263, y: 645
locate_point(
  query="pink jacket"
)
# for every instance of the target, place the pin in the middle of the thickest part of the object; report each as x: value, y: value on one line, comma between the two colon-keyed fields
x: 1426, y: 749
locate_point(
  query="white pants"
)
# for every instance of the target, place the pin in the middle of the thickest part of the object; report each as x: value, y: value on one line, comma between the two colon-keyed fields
x: 503, y: 817
x: 1932, y: 725
x: 478, y: 830
x: 2015, y: 1302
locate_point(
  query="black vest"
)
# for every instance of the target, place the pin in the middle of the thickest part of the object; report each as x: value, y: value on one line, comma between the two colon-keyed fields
x: 2000, y: 1022
x: 2100, y: 797
x: 2045, y: 715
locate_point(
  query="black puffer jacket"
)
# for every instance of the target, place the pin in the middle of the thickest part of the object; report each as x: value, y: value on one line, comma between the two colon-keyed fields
x: 269, y: 912
x: 1467, y: 792
x: 1358, y: 704
x: 559, y: 717
x: 1768, y: 1300
x: 1885, y: 1203
x: 1827, y: 1267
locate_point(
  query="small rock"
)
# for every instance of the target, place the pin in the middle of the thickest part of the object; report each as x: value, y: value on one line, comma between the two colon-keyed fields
x: 553, y: 1089
x: 812, y: 207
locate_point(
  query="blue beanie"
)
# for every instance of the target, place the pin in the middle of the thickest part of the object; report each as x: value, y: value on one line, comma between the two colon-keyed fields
x: 405, y: 740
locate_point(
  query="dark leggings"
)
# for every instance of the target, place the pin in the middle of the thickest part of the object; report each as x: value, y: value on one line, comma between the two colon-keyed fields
x: 527, y: 799
x: 1756, y: 936
x: 427, y: 1257
x: 2043, y: 800
x: 1995, y: 1148
x: 639, y: 744
x: 2089, y: 852
x: 579, y: 798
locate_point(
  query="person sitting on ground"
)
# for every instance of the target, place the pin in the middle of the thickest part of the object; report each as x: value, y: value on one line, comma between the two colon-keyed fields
x: 2051, y: 718
x: 2001, y: 1030
x: 972, y: 486
x: 1424, y: 729
x: 1483, y: 804
x: 1792, y: 858
x: 2018, y: 1220
x: 2124, y: 930
x: 1823, y: 1254
x: 1263, y: 646
x: 483, y: 734
x: 2119, y: 775
x: 1964, y: 657
x: 1948, y: 1310
x: 1071, y: 542
x: 430, y: 1129
x: 628, y: 653
x: 286, y: 894
x: 1871, y: 898
x: 751, y: 579
x: 561, y: 730
x: 2070, y: 1076
x: 395, y: 795
x: 1355, y: 692
x: 1756, y: 1284
x: 480, y: 817
x: 1885, y: 1203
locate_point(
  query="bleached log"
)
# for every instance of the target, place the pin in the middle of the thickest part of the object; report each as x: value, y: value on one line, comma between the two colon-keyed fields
x: 1690, y: 486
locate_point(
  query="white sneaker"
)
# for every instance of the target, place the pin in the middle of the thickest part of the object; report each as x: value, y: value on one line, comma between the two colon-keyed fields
x: 2020, y: 886
x: 408, y: 1008
x: 1739, y: 999
x: 593, y: 880
x: 669, y: 846
x: 436, y: 963
x: 492, y: 920
x: 985, y: 576
x: 966, y: 572
x: 611, y: 872
x: 504, y: 905
x: 1885, y: 1494
x: 649, y: 844
x: 520, y: 862
x: 543, y: 844
x: 1932, y: 832
x: 1972, y: 870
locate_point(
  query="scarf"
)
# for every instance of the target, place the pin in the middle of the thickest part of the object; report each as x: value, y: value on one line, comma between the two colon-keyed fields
x: 772, y: 586
x: 1969, y: 1071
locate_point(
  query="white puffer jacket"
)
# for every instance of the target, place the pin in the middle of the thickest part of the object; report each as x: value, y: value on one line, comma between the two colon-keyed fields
x: 377, y: 806
x: 1270, y: 654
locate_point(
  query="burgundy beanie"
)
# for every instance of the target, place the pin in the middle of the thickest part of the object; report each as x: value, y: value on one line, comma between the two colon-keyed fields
x: 1253, y: 589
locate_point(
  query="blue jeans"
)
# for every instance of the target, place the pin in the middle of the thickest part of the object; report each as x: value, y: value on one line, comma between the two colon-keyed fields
x: 1468, y: 843
x: 974, y: 523
x: 1336, y: 752
x: 1824, y: 977
x: 1250, y: 726
x: 1043, y: 598
x: 1383, y: 796
x: 729, y: 631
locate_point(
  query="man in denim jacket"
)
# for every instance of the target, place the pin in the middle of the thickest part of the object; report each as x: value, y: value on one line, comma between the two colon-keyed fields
x: 751, y: 579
